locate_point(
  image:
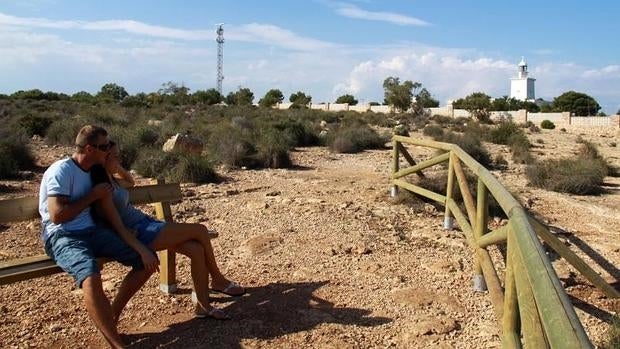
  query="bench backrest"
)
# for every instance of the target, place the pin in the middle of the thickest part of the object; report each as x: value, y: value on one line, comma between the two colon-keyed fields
x: 27, y: 208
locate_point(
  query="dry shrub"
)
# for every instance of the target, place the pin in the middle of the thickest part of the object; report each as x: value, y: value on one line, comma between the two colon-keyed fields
x: 176, y: 167
x: 355, y: 138
x: 581, y: 176
x: 15, y: 154
x: 547, y: 125
x: 433, y: 131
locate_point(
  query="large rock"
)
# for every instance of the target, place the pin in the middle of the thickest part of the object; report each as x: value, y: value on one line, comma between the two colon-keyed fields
x: 183, y: 143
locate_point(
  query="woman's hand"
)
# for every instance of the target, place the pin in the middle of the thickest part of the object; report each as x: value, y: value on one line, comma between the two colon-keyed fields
x: 112, y: 164
x: 149, y: 259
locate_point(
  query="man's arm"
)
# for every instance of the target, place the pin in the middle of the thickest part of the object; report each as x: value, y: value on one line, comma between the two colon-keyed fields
x: 61, y: 210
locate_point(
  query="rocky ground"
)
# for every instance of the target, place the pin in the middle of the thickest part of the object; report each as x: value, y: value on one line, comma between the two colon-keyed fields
x: 328, y: 259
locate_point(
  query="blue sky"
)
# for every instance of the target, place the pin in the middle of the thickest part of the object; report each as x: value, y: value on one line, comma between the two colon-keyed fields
x: 322, y: 47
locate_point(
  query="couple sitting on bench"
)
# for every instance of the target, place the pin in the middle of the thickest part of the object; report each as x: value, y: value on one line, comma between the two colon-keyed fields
x: 86, y: 214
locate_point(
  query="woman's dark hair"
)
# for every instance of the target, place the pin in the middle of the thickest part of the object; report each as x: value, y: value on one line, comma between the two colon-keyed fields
x: 98, y: 175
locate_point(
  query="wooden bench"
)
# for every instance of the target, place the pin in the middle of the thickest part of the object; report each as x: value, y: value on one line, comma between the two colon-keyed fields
x: 27, y: 208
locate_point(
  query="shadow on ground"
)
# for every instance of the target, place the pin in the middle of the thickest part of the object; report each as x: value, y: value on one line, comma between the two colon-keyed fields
x: 264, y: 313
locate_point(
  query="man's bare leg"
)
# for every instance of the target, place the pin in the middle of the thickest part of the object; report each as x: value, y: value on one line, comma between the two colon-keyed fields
x: 99, y: 310
x: 132, y: 283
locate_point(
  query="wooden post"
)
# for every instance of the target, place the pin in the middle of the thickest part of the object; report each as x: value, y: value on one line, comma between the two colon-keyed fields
x: 395, y: 167
x: 510, y: 322
x: 447, y: 221
x: 479, y: 230
x: 167, y: 258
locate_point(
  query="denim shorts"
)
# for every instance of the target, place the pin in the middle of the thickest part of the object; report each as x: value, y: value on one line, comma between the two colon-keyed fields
x: 147, y: 229
x: 76, y: 252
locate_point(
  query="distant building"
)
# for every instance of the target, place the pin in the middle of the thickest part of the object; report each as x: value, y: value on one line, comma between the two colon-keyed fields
x: 522, y: 87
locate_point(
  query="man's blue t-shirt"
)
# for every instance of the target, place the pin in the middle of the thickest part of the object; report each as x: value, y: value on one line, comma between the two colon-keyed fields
x: 64, y: 178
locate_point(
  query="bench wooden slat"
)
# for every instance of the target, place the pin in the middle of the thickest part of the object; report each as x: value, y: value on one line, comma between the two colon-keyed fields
x: 32, y: 267
x: 147, y: 194
x: 27, y: 208
x: 20, y: 209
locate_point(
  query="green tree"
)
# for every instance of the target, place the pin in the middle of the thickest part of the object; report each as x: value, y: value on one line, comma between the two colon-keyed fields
x: 242, y: 97
x: 425, y: 99
x: 138, y: 101
x: 300, y: 99
x: 349, y: 99
x: 271, y: 98
x: 29, y: 94
x: 174, y: 93
x: 83, y: 97
x: 506, y: 103
x: 399, y: 95
x: 477, y: 104
x: 112, y: 93
x: 208, y: 97
x: 577, y: 103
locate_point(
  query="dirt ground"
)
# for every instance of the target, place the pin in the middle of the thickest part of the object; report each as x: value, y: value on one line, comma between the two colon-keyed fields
x: 328, y: 259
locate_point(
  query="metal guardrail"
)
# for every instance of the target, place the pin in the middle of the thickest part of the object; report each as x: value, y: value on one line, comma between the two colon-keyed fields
x: 532, y: 307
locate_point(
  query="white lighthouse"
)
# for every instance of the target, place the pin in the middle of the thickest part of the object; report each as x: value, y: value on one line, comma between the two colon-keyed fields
x: 522, y: 87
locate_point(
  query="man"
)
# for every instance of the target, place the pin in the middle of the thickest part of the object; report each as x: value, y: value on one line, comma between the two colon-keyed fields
x: 73, y: 239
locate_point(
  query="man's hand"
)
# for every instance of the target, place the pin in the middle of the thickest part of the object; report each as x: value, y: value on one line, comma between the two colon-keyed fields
x: 102, y: 190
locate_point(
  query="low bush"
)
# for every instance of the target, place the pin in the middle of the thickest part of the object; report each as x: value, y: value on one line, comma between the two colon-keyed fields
x: 504, y: 132
x: 64, y: 131
x: 355, y: 138
x: 175, y: 167
x: 582, y: 175
x: 576, y: 176
x: 300, y: 134
x: 443, y: 120
x: 231, y: 146
x: 35, y: 124
x: 547, y: 125
x: 272, y: 148
x: 378, y: 119
x: 15, y: 155
x: 471, y: 145
x: 433, y: 131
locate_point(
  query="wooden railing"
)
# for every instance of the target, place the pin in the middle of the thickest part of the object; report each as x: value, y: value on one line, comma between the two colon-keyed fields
x: 532, y: 307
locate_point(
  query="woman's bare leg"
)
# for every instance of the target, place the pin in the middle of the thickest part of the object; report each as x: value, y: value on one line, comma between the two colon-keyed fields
x: 174, y: 234
x: 200, y: 275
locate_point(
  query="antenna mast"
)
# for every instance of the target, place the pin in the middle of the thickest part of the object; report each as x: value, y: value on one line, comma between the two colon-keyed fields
x: 220, y: 56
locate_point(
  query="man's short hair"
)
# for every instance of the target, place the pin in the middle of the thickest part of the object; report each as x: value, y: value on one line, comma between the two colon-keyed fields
x: 89, y: 134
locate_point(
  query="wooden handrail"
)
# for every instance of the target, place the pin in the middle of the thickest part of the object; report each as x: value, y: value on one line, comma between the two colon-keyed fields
x: 533, y: 291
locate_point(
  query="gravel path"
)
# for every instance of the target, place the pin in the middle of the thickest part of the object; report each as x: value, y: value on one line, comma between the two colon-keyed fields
x: 328, y: 259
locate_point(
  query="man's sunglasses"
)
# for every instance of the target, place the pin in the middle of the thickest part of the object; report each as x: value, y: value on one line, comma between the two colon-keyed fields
x: 104, y: 147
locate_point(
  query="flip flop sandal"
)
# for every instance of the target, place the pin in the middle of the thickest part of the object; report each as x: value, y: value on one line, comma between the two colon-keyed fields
x: 227, y: 291
x: 213, y: 313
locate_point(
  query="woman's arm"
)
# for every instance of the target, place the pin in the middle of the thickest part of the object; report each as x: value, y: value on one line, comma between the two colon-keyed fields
x: 124, y: 177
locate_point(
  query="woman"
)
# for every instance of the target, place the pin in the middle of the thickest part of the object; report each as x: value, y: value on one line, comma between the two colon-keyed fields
x: 191, y: 240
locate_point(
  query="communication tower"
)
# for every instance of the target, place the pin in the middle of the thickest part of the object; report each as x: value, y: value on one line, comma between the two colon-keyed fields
x: 220, y: 56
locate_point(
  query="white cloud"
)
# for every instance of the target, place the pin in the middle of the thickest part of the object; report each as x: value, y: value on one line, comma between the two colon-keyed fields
x: 273, y: 35
x: 253, y: 32
x: 38, y: 53
x: 352, y: 11
x: 610, y: 71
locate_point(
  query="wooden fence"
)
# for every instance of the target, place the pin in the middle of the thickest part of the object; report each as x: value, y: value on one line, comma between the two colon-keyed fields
x: 531, y: 305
